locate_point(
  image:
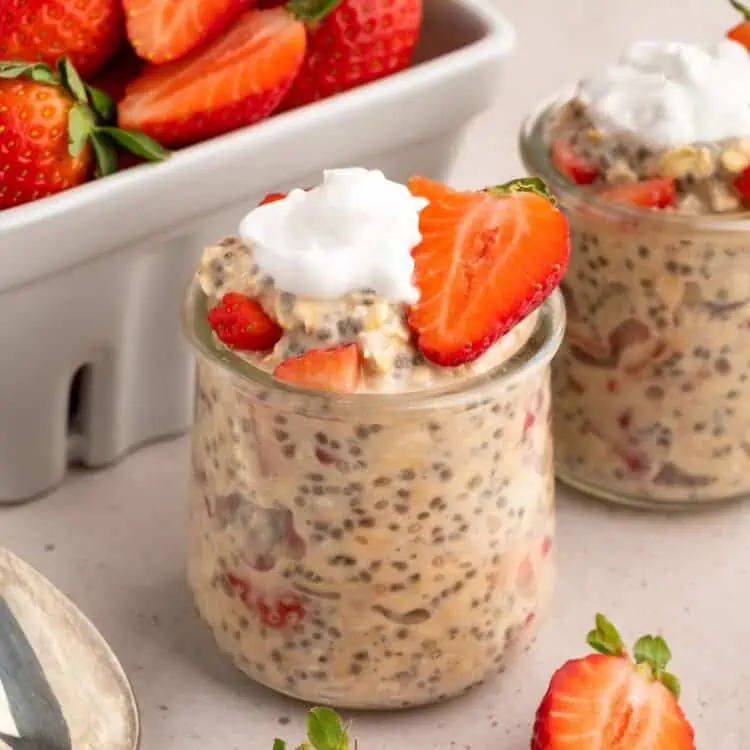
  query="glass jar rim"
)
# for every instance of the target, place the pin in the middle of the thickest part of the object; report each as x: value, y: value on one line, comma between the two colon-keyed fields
x: 536, y: 160
x: 542, y: 345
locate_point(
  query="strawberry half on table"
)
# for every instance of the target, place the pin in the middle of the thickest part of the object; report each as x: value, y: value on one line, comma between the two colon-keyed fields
x: 88, y: 32
x: 612, y: 701
x: 352, y: 42
x: 237, y: 79
x: 57, y: 132
x: 486, y: 260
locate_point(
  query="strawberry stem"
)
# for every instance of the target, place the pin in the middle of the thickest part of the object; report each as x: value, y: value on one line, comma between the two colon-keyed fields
x: 739, y: 7
x: 312, y: 11
x: 651, y: 653
x: 522, y: 185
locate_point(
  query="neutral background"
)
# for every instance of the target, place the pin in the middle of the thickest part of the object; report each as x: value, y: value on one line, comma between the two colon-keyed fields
x: 114, y: 540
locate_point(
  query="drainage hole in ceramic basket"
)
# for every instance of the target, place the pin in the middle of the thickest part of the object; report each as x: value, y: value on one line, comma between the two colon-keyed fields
x: 77, y: 407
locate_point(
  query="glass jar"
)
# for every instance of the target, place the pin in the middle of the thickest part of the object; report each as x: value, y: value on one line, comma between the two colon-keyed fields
x: 651, y: 386
x: 372, y: 551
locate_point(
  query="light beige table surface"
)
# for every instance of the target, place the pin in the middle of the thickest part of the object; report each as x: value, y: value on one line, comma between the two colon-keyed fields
x: 114, y: 540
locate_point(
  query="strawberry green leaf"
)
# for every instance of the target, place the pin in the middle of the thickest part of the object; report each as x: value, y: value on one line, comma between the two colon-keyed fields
x: 71, y: 80
x: 102, y: 104
x: 36, y: 71
x: 325, y: 730
x: 523, y: 185
x: 743, y: 9
x: 137, y: 143
x: 652, y: 650
x: 605, y: 639
x: 672, y: 684
x: 80, y: 123
x: 105, y: 154
x: 279, y: 744
x: 312, y: 11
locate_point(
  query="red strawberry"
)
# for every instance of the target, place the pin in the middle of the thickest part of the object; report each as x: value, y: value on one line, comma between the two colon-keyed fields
x: 165, y: 30
x: 660, y: 192
x: 742, y: 183
x: 287, y: 610
x: 486, y: 260
x: 88, y: 33
x: 236, y: 80
x: 572, y: 165
x: 54, y: 133
x: 272, y: 198
x: 607, y: 700
x: 241, y: 323
x: 352, y: 42
x: 741, y: 32
x: 336, y: 370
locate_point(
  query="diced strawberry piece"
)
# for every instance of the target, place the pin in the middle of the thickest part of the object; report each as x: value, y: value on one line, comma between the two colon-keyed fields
x: 236, y: 80
x: 742, y: 183
x: 660, y: 192
x: 604, y: 701
x: 336, y: 369
x: 241, y: 323
x: 572, y: 165
x: 272, y: 198
x: 486, y: 260
x: 165, y: 30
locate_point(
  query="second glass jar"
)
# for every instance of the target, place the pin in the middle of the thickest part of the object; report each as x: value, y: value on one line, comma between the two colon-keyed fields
x: 652, y: 382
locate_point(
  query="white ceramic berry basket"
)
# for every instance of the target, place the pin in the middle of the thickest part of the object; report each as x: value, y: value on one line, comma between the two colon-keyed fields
x: 92, y: 360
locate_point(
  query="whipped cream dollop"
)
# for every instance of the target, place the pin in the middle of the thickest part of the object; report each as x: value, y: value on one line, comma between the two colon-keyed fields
x: 354, y: 231
x: 673, y: 93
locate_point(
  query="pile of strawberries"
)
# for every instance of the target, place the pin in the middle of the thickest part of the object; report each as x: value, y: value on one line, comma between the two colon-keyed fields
x: 104, y: 84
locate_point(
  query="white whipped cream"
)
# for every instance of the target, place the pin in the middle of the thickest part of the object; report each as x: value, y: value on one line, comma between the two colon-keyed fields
x: 672, y: 93
x: 354, y: 231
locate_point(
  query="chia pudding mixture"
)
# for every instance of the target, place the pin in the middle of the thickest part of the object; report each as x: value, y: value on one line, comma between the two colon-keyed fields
x: 651, y: 382
x: 365, y: 557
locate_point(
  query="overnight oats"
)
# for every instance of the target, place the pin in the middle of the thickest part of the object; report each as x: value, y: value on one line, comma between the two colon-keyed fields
x: 372, y: 516
x: 650, y: 160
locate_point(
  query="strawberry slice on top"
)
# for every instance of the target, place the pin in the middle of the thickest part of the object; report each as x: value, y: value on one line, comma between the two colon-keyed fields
x: 741, y: 32
x: 486, y: 260
x: 610, y: 701
x: 336, y: 369
x: 660, y: 192
x: 572, y: 165
x: 164, y: 30
x: 236, y: 80
x: 241, y: 323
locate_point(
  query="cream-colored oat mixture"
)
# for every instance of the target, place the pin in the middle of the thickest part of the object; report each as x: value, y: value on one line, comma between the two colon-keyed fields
x: 368, y: 558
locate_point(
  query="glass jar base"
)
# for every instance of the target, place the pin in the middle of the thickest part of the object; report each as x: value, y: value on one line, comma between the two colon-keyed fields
x: 642, y: 502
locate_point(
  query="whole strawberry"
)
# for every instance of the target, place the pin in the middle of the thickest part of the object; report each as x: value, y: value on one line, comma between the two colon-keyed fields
x: 88, y: 33
x: 352, y: 42
x: 609, y: 700
x: 55, y: 132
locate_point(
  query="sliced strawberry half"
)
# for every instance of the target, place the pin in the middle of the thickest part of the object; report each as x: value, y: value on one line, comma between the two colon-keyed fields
x: 657, y: 193
x: 164, y: 30
x: 486, y: 260
x: 241, y: 323
x: 336, y: 369
x: 608, y: 700
x: 236, y: 80
x: 572, y: 165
